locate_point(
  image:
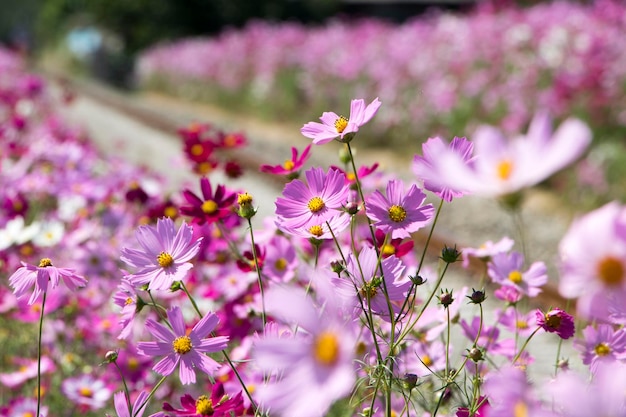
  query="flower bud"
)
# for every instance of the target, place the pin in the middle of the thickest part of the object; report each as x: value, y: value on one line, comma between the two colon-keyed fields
x: 446, y: 298
x: 409, y: 381
x: 475, y: 354
x: 450, y: 255
x: 477, y: 297
x: 246, y: 210
x: 110, y: 356
x: 417, y: 280
x: 337, y: 267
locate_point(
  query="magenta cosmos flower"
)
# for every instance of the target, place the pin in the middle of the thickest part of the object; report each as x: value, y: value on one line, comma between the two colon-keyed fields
x: 321, y: 199
x: 423, y: 165
x: 219, y: 404
x: 188, y: 349
x: 28, y: 275
x: 398, y: 213
x: 212, y: 206
x: 556, y: 321
x: 164, y: 256
x: 338, y: 127
x: 290, y: 167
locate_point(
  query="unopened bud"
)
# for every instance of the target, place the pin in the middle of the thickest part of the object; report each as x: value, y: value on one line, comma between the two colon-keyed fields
x: 475, y: 354
x: 446, y: 298
x: 409, y: 381
x: 110, y: 356
x: 246, y: 210
x: 477, y: 297
x: 450, y: 255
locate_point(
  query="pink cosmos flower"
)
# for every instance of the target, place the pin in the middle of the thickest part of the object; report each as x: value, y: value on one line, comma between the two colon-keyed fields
x: 311, y: 369
x: 517, y: 322
x: 556, y: 321
x: 601, y: 344
x: 26, y: 371
x: 506, y: 166
x: 86, y: 391
x: 366, y: 277
x: 506, y: 269
x: 126, y: 297
x: 398, y: 213
x: 188, y: 349
x: 165, y: 254
x: 323, y: 231
x: 290, y: 167
x: 22, y: 407
x: 338, y: 127
x: 28, y: 275
x: 281, y: 259
x: 423, y: 165
x: 121, y: 406
x: 593, y: 262
x: 312, y: 204
x: 487, y: 250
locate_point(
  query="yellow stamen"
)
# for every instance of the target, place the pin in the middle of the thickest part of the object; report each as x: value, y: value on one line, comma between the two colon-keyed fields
x: 515, y: 277
x: 521, y: 324
x: 602, y: 349
x: 182, y: 345
x: 165, y: 259
x: 230, y: 141
x: 280, y: 264
x: 204, y: 406
x: 611, y: 271
x: 316, y: 231
x: 520, y: 410
x: 288, y: 165
x: 244, y: 198
x: 340, y: 124
x: 326, y: 348
x: 397, y: 213
x: 427, y: 360
x: 197, y: 149
x: 209, y: 207
x: 45, y: 262
x: 170, y: 211
x: 133, y: 364
x: 504, y: 169
x: 316, y: 204
x: 85, y: 392
x: 388, y: 250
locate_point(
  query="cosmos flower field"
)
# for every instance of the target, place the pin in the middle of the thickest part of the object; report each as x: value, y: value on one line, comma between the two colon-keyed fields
x: 117, y: 298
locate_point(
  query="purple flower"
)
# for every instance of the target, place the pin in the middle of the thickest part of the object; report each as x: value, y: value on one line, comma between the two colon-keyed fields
x: 28, y: 275
x: 179, y: 346
x: 398, y: 213
x: 121, y: 406
x: 423, y: 166
x: 86, y: 391
x: 338, y: 127
x: 506, y: 269
x: 506, y: 166
x: 312, y: 204
x: 127, y: 298
x: 218, y: 405
x: 601, y: 344
x: 556, y: 321
x: 165, y: 254
x: 313, y: 368
x: 593, y: 261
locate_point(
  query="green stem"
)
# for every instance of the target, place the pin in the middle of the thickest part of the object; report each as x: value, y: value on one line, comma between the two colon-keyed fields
x: 43, y: 304
x: 258, y: 273
x: 524, y: 345
x: 125, y: 386
x: 156, y: 387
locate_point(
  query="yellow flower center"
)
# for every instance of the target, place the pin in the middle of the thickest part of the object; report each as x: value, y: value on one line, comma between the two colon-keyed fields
x: 197, y: 149
x: 521, y: 324
x: 397, y: 213
x: 602, y: 349
x: 209, y: 207
x: 288, y: 165
x: 28, y: 414
x: 45, y: 262
x: 230, y: 141
x: 280, y: 264
x: 340, y: 124
x: 611, y: 271
x: 427, y: 360
x: 388, y: 250
x: 316, y: 204
x: 244, y: 198
x: 204, y: 168
x: 316, y: 231
x: 204, y: 406
x: 326, y: 348
x: 182, y: 345
x: 170, y: 211
x: 368, y: 291
x: 553, y: 321
x: 128, y: 301
x: 133, y: 364
x: 165, y: 260
x: 520, y: 410
x: 85, y: 392
x: 515, y: 277
x: 504, y: 169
